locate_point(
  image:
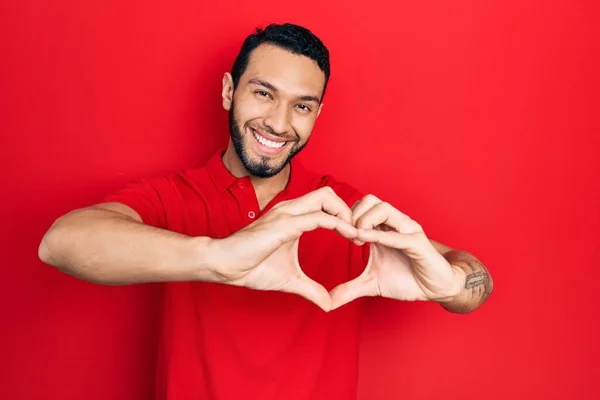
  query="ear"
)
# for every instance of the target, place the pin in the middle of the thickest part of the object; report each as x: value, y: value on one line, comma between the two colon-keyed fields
x: 227, y: 92
x: 319, y: 110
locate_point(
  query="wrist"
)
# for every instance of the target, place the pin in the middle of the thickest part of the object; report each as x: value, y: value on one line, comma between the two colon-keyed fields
x: 455, y: 287
x: 207, y: 259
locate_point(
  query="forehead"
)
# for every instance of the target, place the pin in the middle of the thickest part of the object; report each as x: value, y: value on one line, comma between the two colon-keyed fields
x: 288, y: 72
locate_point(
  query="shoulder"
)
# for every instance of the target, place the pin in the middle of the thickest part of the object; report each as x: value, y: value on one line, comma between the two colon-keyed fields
x: 159, y: 198
x: 179, y: 179
x: 161, y: 186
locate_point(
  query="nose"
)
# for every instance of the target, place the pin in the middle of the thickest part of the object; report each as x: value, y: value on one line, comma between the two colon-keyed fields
x: 278, y: 119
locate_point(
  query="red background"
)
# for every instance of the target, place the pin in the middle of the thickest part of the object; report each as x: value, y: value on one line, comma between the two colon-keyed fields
x: 479, y: 119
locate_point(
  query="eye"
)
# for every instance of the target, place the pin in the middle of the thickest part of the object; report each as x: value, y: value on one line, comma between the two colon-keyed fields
x: 262, y: 93
x: 304, y: 107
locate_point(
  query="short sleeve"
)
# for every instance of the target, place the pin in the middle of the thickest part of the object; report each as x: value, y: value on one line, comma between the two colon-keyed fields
x: 148, y: 197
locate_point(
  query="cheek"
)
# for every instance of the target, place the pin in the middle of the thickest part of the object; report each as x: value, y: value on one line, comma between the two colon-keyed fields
x: 250, y: 107
x: 303, y: 127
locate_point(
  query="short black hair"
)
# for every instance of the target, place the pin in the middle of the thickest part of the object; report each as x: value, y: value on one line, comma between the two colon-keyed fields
x: 294, y: 38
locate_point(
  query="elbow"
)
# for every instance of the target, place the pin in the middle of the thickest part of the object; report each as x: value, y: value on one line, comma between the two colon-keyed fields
x: 51, y: 253
x: 52, y: 244
x: 47, y: 245
x: 59, y: 250
x: 44, y: 251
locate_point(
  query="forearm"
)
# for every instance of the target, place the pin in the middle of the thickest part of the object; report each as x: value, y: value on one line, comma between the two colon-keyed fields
x: 476, y: 283
x: 105, y: 247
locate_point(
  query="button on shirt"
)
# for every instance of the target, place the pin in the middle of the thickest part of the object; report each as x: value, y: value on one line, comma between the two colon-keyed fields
x: 228, y: 342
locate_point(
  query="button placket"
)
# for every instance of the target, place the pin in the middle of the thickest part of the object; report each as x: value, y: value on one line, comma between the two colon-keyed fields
x: 246, y: 198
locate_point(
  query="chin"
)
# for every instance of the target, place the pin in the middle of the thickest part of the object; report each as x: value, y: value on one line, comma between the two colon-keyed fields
x: 263, y: 166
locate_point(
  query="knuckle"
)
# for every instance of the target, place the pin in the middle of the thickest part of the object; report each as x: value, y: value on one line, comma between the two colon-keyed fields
x: 361, y: 222
x: 371, y: 197
x: 281, y: 204
x: 282, y: 219
x: 416, y: 226
x: 327, y: 190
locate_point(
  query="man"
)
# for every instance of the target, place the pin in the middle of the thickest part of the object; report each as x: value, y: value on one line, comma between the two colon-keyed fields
x: 266, y: 263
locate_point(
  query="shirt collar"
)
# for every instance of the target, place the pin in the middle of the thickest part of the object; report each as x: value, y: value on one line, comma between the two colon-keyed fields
x: 218, y: 173
x: 298, y: 184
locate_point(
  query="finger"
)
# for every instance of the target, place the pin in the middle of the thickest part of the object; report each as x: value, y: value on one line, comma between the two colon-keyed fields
x: 358, y: 242
x: 392, y: 239
x: 362, y: 206
x: 323, y: 199
x: 310, y: 290
x: 320, y: 219
x: 385, y: 214
x: 361, y: 286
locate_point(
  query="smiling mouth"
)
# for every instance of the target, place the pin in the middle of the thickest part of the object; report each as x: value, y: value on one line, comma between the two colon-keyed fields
x: 267, y: 142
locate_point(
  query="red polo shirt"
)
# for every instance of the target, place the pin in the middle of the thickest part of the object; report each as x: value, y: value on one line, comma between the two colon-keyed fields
x: 226, y: 342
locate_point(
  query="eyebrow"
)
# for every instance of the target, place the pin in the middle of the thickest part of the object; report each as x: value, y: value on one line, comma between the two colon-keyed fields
x: 269, y: 86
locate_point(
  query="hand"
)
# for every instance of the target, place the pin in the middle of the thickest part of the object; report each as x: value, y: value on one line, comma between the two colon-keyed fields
x: 264, y: 255
x: 403, y: 263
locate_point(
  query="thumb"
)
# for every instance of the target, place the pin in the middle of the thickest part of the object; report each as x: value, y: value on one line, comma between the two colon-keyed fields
x: 304, y: 286
x: 362, y: 286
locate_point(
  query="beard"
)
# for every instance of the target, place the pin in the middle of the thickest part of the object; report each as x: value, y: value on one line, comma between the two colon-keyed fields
x: 265, y: 167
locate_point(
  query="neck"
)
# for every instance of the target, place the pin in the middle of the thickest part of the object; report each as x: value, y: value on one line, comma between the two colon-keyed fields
x: 266, y: 188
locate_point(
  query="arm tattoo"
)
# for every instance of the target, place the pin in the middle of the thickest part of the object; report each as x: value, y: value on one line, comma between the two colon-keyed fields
x: 478, y: 281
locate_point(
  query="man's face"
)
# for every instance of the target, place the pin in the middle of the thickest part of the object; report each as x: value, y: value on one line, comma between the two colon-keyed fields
x: 274, y: 109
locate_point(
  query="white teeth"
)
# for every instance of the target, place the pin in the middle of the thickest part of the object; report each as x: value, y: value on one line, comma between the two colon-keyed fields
x: 266, y: 142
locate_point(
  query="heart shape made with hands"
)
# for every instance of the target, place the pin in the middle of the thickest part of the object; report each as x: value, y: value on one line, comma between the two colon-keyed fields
x: 403, y: 264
